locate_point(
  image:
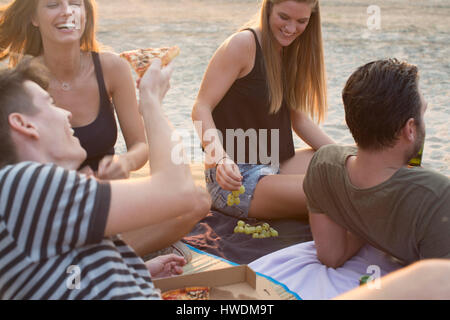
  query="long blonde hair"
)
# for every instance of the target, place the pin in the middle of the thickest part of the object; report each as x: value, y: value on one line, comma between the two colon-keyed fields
x: 298, y: 76
x: 18, y: 36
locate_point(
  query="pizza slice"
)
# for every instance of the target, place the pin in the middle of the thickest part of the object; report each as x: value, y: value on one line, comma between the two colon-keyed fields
x: 141, y: 59
x: 190, y: 293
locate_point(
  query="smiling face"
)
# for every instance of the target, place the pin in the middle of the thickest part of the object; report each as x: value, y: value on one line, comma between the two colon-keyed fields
x: 288, y: 20
x: 60, y: 20
x: 54, y: 130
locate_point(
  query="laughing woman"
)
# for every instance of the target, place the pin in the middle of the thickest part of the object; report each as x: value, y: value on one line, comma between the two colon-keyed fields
x: 88, y: 83
x: 269, y: 76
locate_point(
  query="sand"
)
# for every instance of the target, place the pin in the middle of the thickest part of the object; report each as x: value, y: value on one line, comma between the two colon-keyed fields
x: 413, y: 30
x: 416, y: 31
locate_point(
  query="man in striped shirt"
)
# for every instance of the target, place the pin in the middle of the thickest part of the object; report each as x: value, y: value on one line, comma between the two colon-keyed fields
x: 58, y: 228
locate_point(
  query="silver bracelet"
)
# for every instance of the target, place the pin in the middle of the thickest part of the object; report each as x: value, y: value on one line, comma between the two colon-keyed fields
x: 218, y: 162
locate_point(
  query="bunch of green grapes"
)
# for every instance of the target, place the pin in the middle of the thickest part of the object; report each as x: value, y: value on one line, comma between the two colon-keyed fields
x: 260, y: 231
x: 233, y: 197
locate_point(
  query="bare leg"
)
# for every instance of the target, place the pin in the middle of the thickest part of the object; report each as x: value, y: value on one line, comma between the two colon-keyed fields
x: 427, y: 279
x: 282, y: 196
x: 299, y: 163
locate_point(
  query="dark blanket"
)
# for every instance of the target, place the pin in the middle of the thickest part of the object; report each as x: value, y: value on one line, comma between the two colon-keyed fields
x: 215, y: 235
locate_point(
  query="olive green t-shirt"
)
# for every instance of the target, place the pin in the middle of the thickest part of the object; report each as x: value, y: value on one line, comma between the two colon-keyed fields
x: 407, y: 216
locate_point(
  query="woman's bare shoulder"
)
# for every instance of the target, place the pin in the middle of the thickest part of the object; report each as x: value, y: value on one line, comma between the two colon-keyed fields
x: 113, y: 65
x: 238, y: 50
x: 111, y: 60
x: 241, y: 41
x: 115, y: 70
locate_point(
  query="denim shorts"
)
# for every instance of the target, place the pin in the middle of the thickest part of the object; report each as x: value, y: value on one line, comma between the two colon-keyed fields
x: 251, y: 174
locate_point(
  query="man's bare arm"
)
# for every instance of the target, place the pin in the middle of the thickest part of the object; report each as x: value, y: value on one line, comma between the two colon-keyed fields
x: 334, y: 244
x: 170, y: 192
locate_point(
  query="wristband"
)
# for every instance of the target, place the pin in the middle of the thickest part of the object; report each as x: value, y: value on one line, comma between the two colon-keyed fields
x: 218, y: 162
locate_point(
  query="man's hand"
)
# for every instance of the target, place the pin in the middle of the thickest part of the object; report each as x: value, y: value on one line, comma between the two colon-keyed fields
x: 156, y: 81
x: 165, y: 266
x: 87, y: 171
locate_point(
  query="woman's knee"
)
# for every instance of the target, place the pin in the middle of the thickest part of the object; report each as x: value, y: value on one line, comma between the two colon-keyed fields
x: 299, y: 163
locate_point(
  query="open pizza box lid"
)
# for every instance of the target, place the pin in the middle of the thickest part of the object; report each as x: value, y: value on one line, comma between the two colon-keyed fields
x: 234, y: 283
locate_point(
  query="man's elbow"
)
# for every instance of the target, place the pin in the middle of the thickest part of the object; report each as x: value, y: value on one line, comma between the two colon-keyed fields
x: 197, y: 201
x: 202, y: 203
x: 331, y: 260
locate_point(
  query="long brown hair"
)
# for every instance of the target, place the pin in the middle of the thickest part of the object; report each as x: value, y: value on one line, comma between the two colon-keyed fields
x: 18, y: 36
x: 298, y: 76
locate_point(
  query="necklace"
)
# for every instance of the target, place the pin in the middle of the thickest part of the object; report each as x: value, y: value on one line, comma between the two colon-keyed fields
x: 66, y: 85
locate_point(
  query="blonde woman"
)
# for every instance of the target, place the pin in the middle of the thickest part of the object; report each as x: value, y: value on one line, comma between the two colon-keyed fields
x: 265, y: 82
x: 88, y: 83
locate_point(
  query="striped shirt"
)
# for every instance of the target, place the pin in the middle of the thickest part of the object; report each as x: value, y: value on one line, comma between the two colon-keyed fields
x: 52, y: 243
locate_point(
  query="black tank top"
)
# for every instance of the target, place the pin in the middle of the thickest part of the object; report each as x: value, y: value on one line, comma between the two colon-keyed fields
x: 246, y: 106
x: 99, y: 137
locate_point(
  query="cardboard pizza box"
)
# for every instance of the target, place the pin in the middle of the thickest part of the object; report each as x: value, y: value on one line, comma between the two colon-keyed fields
x: 234, y: 283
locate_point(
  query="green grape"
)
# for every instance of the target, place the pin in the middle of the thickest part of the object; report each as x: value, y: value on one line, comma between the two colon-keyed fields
x: 274, y: 233
x: 241, y: 230
x: 258, y: 229
x: 266, y: 226
x: 242, y: 190
x: 241, y: 223
x: 230, y: 200
x: 235, y: 194
x: 255, y: 235
x: 236, y: 230
x: 237, y: 201
x: 252, y: 229
x: 247, y: 230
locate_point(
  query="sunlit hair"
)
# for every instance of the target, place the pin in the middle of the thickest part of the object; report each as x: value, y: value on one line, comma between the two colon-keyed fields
x: 299, y: 75
x: 19, y: 37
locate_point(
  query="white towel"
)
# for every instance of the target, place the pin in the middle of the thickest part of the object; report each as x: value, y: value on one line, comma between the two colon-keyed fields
x: 299, y: 269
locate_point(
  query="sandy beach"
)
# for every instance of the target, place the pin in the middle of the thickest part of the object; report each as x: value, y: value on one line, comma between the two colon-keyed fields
x: 413, y: 30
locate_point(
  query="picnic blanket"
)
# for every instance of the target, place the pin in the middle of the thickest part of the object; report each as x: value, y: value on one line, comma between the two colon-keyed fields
x: 215, y: 235
x: 202, y: 261
x: 298, y: 268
